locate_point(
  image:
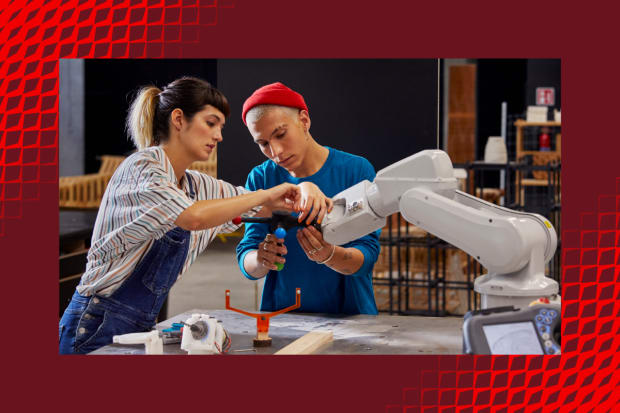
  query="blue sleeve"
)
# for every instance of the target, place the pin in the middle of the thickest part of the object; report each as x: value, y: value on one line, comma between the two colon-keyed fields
x: 368, y: 244
x: 254, y: 233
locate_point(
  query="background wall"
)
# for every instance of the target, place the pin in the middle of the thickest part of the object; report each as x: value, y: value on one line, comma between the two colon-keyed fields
x: 544, y: 73
x: 109, y: 88
x: 71, y: 117
x: 383, y: 109
x: 380, y: 109
x: 513, y: 81
x: 497, y: 81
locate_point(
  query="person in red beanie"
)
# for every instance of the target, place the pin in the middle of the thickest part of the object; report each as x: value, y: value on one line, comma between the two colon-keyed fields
x: 333, y: 279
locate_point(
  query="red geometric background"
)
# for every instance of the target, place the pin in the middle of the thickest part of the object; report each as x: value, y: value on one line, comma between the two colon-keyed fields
x: 35, y: 34
x: 584, y: 378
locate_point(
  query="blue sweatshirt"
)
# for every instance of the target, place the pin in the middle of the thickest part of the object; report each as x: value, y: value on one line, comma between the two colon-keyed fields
x: 323, y: 290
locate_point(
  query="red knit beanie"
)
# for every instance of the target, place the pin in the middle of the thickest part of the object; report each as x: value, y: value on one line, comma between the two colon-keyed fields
x: 273, y: 94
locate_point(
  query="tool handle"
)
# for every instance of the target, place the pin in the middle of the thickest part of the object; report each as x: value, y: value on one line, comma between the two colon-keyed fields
x: 279, y: 265
x: 279, y: 233
x: 262, y: 220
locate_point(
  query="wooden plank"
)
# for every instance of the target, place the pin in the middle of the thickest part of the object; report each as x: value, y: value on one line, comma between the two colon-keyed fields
x: 460, y: 142
x: 309, y: 343
x: 534, y: 182
x: 71, y: 277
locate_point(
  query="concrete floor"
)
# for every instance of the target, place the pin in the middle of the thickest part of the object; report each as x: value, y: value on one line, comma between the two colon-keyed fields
x: 203, y: 286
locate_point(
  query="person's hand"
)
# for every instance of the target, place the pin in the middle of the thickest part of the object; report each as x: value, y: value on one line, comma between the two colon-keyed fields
x: 267, y: 252
x: 285, y: 196
x: 313, y: 244
x: 313, y: 203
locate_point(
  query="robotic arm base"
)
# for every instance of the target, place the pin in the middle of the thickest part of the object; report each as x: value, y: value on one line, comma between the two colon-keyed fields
x: 519, y: 288
x: 490, y: 296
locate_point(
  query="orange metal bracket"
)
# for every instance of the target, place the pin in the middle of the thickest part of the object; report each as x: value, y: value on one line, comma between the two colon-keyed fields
x: 262, y: 319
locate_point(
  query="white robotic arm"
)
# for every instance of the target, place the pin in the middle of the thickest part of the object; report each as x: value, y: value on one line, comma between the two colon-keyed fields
x: 513, y: 246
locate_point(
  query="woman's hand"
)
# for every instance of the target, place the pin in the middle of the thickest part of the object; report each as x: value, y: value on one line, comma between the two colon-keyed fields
x: 313, y: 203
x: 285, y: 197
x: 313, y: 244
x: 266, y: 255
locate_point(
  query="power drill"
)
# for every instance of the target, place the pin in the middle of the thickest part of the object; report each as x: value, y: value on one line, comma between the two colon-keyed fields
x: 279, y: 223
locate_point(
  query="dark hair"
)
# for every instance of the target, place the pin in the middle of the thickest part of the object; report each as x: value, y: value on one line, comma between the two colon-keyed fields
x: 149, y: 114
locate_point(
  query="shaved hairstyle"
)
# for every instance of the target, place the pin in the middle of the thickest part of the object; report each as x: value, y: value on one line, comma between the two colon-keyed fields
x: 258, y: 111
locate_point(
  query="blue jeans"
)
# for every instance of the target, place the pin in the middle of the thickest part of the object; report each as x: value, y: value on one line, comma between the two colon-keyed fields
x: 69, y: 321
x: 90, y: 322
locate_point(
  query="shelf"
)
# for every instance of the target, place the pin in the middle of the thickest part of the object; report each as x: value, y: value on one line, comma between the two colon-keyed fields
x: 534, y: 182
x: 541, y: 157
x: 521, y: 122
x: 483, y: 164
x: 542, y: 153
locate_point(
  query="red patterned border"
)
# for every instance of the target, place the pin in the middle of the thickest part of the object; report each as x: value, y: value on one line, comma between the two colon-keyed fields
x: 585, y: 377
x: 35, y: 34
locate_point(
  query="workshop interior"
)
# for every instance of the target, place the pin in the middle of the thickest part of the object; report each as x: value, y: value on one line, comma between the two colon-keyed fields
x: 467, y: 198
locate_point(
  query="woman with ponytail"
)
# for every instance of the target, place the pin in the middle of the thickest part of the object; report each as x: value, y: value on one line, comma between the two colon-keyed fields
x: 156, y: 216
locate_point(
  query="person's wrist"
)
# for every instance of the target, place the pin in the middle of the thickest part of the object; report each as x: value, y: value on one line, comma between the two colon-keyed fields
x: 331, y: 255
x: 263, y: 196
x: 259, y: 267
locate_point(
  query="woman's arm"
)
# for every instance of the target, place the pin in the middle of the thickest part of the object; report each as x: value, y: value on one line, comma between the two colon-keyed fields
x: 213, y: 212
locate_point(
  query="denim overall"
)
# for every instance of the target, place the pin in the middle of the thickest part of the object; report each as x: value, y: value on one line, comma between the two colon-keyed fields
x: 90, y: 322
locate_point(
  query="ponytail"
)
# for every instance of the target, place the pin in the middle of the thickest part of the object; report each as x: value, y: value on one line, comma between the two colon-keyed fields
x: 141, y: 117
x: 149, y: 113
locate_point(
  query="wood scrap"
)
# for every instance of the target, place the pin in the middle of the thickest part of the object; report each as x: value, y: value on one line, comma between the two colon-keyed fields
x: 309, y: 343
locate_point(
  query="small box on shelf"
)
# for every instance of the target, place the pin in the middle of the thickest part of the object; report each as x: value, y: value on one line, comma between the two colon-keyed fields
x: 537, y: 113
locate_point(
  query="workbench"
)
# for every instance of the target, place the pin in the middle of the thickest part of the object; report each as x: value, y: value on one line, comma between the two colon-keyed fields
x: 358, y: 334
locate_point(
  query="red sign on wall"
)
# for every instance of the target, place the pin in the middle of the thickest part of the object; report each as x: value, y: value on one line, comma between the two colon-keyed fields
x: 545, y: 96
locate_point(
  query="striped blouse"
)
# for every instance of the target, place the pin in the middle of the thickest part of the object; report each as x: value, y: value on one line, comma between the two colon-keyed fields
x: 141, y: 204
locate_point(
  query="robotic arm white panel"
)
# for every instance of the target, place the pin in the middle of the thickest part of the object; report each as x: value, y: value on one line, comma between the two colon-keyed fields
x: 362, y: 208
x: 514, y: 246
x: 352, y: 217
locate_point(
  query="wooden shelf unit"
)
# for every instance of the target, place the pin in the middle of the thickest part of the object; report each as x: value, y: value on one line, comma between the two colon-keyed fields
x: 538, y: 157
x: 520, y: 124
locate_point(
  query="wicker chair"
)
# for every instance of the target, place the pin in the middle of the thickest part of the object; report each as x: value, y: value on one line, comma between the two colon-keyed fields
x: 86, y: 191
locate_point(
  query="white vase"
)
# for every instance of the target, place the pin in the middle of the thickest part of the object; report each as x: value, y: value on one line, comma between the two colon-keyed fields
x: 495, y: 150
